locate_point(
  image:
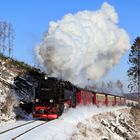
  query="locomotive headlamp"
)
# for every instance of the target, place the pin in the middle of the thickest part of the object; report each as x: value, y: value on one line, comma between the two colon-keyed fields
x: 37, y: 100
x: 51, y: 100
x: 45, y: 77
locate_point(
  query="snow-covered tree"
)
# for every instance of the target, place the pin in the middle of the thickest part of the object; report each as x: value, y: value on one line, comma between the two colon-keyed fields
x: 134, y: 70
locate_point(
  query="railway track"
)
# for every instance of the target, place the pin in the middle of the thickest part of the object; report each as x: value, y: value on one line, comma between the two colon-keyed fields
x: 5, y: 132
x: 16, y: 127
x: 28, y: 131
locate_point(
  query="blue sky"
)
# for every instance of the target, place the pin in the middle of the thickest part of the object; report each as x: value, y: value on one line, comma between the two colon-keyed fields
x: 31, y: 18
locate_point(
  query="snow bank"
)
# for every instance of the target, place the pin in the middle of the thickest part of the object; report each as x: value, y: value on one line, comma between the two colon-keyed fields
x: 114, y: 125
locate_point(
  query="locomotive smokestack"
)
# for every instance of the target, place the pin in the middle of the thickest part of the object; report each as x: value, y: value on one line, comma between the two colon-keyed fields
x: 83, y: 47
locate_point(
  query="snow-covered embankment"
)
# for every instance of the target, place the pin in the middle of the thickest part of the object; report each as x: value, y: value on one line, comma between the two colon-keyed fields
x: 67, y: 126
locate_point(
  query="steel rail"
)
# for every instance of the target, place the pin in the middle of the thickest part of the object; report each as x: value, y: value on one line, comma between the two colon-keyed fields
x: 16, y: 127
x: 28, y: 131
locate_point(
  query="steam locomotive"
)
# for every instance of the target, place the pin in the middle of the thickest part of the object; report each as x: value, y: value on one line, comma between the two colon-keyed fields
x: 52, y: 96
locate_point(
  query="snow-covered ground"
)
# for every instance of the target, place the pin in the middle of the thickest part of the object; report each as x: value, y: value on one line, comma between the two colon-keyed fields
x: 63, y: 128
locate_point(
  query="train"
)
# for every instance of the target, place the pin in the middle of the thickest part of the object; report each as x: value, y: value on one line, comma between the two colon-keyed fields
x: 53, y: 96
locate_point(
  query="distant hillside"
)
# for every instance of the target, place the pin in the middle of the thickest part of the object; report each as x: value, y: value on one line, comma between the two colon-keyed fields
x: 131, y: 96
x: 17, y: 85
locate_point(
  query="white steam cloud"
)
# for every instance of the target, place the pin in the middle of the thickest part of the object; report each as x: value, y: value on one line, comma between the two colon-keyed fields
x: 83, y: 47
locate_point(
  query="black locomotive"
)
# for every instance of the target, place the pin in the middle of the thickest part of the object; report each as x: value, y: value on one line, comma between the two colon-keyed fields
x: 51, y: 96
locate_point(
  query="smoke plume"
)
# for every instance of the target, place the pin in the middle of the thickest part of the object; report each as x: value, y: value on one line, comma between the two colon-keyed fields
x: 83, y: 47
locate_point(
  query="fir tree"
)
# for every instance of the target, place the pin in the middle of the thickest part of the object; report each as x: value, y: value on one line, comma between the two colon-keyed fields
x: 134, y: 70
